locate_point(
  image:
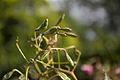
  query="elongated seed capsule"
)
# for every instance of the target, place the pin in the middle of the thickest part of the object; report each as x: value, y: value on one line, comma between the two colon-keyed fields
x: 51, y: 30
x: 60, y: 19
x: 66, y: 29
x: 43, y: 26
x: 71, y: 34
x: 69, y: 59
x: 62, y: 75
x: 62, y: 34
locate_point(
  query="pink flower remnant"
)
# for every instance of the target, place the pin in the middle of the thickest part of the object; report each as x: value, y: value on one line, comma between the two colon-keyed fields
x: 87, y: 68
x: 117, y: 71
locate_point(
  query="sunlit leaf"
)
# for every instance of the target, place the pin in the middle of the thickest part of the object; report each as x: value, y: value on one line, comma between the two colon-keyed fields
x: 44, y: 55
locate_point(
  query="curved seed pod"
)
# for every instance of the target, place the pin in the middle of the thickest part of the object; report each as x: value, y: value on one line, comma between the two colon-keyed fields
x: 8, y: 75
x: 45, y: 55
x: 66, y: 29
x: 62, y: 34
x: 71, y: 34
x: 62, y: 75
x: 44, y: 43
x: 43, y: 26
x: 52, y: 30
x: 60, y: 19
x: 69, y: 59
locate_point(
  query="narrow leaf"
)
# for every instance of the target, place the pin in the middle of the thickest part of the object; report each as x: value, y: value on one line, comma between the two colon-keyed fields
x: 62, y: 75
x: 69, y: 59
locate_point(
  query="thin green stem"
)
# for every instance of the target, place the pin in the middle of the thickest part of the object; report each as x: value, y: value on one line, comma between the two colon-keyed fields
x: 21, y: 52
x: 43, y: 63
x: 58, y: 58
x: 77, y: 61
x: 37, y: 67
x: 18, y: 71
x: 26, y: 74
x: 35, y: 38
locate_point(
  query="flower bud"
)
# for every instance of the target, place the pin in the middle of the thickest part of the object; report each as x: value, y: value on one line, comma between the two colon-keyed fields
x: 117, y: 71
x: 88, y: 69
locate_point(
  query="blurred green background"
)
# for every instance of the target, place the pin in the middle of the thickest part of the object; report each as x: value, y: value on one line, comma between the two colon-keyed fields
x: 97, y: 22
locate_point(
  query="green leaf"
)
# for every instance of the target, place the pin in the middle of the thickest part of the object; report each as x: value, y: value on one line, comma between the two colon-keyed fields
x: 60, y: 19
x: 62, y: 75
x: 69, y: 59
x: 8, y: 75
x: 107, y: 77
x: 45, y: 55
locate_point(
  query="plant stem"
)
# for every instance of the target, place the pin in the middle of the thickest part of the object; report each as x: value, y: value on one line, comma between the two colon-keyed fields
x: 77, y: 61
x: 26, y: 74
x: 18, y: 71
x: 21, y: 52
x: 58, y: 58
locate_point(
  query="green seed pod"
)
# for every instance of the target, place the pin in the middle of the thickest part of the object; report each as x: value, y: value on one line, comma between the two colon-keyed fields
x: 51, y: 30
x: 62, y: 75
x: 8, y: 75
x: 71, y: 34
x: 44, y: 43
x: 69, y: 59
x: 43, y: 26
x: 62, y: 34
x: 66, y: 29
x: 60, y: 19
x: 45, y: 55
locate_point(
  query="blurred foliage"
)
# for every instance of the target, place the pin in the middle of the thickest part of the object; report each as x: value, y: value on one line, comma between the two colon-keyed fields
x: 20, y: 17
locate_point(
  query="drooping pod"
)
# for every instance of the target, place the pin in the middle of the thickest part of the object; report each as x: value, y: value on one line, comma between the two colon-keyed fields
x: 62, y: 34
x: 69, y: 58
x: 43, y: 26
x: 51, y: 30
x: 66, y: 29
x: 71, y: 34
x: 60, y: 19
